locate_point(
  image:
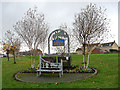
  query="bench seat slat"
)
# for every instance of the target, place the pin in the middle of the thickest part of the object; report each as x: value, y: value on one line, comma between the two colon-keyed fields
x: 49, y: 70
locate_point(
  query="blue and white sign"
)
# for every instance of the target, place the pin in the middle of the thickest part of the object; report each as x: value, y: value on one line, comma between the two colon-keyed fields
x: 58, y: 42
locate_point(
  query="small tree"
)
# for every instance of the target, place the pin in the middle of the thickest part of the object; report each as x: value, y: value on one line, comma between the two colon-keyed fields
x: 43, y: 43
x: 33, y: 29
x: 11, y: 44
x: 6, y: 48
x: 90, y: 26
x: 6, y: 42
x: 15, y: 49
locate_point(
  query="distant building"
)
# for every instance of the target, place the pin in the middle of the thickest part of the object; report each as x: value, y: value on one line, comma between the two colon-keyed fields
x: 98, y: 48
x: 107, y: 46
x: 79, y: 51
x: 28, y: 53
x: 97, y: 51
x: 118, y: 48
x: 25, y: 53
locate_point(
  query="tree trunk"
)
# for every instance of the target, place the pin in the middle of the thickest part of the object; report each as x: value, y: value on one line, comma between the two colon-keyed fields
x: 32, y: 59
x: 84, y: 53
x: 14, y: 59
x: 64, y: 51
x: 84, y: 60
x: 43, y: 54
x: 8, y: 56
x: 32, y: 66
x: 87, y: 62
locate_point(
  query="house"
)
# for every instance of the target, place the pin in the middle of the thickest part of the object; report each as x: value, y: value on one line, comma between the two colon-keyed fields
x: 91, y: 47
x: 28, y: 53
x: 107, y: 46
x: 25, y: 53
x: 98, y: 48
x: 118, y: 48
x: 97, y: 51
x: 38, y: 52
x: 79, y: 51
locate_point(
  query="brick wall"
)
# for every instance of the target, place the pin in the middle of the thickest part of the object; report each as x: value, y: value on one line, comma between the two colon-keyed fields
x: 97, y: 51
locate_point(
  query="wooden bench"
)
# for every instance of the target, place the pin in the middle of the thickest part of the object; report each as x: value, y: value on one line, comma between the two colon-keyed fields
x: 47, y: 66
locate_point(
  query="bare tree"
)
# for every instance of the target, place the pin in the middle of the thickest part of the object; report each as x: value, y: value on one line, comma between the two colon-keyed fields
x: 90, y: 26
x: 73, y: 42
x: 61, y: 49
x: 32, y: 28
x: 43, y: 43
x: 7, y: 42
x: 11, y: 44
x: 15, y: 48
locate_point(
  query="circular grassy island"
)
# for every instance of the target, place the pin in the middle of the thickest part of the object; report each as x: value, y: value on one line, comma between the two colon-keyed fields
x: 29, y: 75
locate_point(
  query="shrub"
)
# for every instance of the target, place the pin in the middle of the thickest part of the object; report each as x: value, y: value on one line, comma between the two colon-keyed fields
x: 113, y: 50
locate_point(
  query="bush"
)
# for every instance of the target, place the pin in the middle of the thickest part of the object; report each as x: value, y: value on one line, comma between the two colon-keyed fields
x: 113, y: 50
x: 78, y: 69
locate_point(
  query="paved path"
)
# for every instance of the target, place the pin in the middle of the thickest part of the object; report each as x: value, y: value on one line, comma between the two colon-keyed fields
x: 51, y: 78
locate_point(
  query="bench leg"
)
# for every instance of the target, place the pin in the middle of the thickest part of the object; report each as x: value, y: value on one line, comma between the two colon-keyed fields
x: 62, y: 72
x: 38, y: 73
x: 59, y: 74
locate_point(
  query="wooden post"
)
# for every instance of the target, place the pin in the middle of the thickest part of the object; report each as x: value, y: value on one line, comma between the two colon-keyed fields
x: 61, y: 67
x: 40, y: 64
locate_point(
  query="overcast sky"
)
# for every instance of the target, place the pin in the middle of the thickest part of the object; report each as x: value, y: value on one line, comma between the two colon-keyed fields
x: 56, y: 13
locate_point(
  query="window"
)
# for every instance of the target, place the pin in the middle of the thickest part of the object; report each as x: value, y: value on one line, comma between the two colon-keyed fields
x: 109, y: 44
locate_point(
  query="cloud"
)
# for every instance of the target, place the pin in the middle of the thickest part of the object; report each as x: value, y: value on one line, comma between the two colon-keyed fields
x: 56, y: 13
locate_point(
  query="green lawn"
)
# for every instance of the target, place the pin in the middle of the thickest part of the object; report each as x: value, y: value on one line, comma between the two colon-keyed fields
x: 106, y: 64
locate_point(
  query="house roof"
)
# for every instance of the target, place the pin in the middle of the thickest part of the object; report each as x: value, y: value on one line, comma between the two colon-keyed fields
x: 79, y: 49
x: 99, y: 49
x: 95, y: 44
x: 107, y: 44
x: 103, y: 44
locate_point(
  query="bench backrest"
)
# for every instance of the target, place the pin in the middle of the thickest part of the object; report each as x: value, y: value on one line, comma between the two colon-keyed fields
x: 47, y: 64
x: 50, y: 59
